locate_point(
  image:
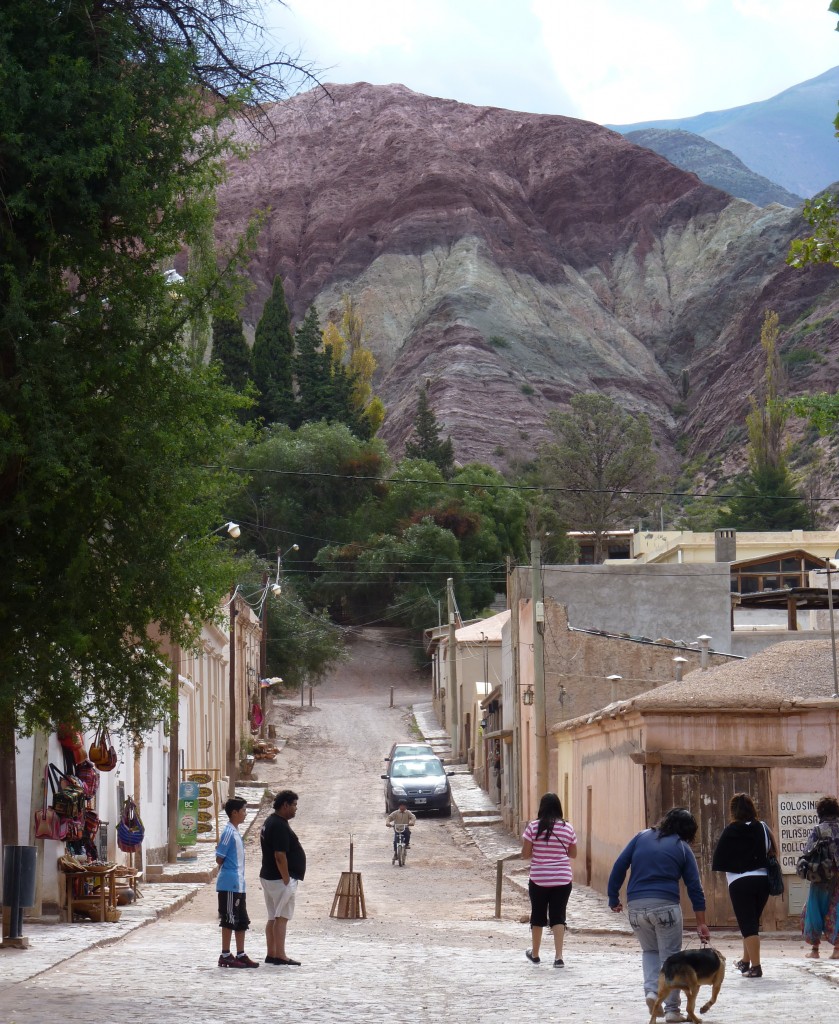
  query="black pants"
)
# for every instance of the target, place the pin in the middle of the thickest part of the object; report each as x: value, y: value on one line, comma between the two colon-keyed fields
x: 748, y: 898
x: 547, y: 904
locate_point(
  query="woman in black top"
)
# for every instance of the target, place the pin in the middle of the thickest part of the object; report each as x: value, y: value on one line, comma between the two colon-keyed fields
x: 741, y: 853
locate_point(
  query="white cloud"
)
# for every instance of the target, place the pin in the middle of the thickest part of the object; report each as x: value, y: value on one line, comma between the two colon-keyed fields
x: 656, y: 58
x: 613, y: 61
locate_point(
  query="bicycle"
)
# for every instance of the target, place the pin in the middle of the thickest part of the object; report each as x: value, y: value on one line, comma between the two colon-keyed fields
x: 400, y: 845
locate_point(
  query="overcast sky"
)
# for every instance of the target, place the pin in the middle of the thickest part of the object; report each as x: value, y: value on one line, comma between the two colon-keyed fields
x: 610, y: 61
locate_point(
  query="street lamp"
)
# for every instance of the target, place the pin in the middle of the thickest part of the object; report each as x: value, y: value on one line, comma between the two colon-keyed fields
x: 233, y: 530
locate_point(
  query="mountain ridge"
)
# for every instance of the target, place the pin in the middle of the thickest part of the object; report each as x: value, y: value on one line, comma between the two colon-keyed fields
x: 510, y: 260
x: 788, y: 138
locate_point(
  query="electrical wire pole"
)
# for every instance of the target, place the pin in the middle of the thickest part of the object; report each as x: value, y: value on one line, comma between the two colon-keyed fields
x: 452, y: 683
x: 539, y: 716
x: 232, y: 745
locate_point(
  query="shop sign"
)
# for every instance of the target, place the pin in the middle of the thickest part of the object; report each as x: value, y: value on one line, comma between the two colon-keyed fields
x: 796, y: 819
x: 187, y: 813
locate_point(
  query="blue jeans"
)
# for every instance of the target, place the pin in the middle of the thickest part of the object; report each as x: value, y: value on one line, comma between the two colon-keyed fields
x: 658, y: 927
x: 406, y: 834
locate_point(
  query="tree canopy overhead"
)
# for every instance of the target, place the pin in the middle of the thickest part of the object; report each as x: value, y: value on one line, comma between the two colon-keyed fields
x: 110, y: 156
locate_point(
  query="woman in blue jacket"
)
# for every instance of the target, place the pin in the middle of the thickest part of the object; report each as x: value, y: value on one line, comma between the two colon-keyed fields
x: 657, y: 859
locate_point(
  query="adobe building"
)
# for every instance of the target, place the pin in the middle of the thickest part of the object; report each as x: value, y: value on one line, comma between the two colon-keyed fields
x: 768, y: 726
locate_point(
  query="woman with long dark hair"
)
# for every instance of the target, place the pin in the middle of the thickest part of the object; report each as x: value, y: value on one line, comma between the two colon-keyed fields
x: 741, y: 853
x: 657, y: 859
x: 821, y: 913
x: 549, y: 843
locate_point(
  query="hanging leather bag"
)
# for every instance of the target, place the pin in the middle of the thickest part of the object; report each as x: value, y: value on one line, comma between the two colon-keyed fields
x: 48, y: 822
x: 774, y: 874
x: 72, y: 740
x: 102, y: 751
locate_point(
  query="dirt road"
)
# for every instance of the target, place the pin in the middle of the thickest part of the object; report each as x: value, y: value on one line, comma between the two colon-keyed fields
x: 333, y: 758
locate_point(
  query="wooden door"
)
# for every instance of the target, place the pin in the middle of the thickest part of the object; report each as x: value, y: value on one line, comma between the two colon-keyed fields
x: 706, y: 792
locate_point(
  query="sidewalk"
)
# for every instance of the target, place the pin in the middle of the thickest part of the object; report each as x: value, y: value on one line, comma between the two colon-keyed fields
x: 164, y: 893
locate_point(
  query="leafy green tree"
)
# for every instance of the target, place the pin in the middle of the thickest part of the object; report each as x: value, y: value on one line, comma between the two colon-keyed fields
x: 231, y: 352
x: 301, y: 644
x: 769, y: 499
x: 303, y: 487
x: 601, y: 465
x: 425, y: 442
x: 501, y: 515
x: 272, y: 359
x: 107, y: 425
x: 396, y: 579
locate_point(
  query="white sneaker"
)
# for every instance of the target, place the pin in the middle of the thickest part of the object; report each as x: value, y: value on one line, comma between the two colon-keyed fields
x: 651, y: 1001
x: 674, y: 1017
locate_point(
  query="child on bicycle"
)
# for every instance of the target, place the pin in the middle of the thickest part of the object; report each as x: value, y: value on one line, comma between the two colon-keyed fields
x: 401, y: 816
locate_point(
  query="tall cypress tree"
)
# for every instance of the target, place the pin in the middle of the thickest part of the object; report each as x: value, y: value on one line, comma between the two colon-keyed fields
x: 272, y: 359
x: 231, y: 352
x: 426, y: 443
x: 313, y: 372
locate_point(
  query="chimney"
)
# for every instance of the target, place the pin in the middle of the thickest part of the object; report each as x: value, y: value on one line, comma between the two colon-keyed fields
x: 679, y: 663
x: 725, y: 545
x: 704, y: 646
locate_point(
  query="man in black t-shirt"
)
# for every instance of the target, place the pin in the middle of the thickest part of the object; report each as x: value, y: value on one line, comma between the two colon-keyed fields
x: 283, y: 866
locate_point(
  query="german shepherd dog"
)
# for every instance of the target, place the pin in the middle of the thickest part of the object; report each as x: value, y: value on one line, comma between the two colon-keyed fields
x: 687, y: 971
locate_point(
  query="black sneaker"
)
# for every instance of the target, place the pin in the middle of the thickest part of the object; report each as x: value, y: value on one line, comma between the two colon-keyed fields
x: 533, y: 959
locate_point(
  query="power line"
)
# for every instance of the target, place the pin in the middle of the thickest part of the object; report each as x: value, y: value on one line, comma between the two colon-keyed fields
x: 488, y: 484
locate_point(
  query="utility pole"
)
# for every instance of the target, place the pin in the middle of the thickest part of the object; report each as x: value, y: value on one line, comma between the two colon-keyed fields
x: 263, y: 652
x: 453, y: 701
x: 539, y: 716
x: 513, y: 604
x: 174, y: 756
x: 232, y: 746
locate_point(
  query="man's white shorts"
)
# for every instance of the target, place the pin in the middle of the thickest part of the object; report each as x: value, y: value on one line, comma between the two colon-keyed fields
x: 279, y: 897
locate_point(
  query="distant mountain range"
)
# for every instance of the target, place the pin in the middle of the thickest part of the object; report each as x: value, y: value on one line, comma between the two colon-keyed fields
x: 505, y: 262
x: 788, y: 139
x: 713, y: 165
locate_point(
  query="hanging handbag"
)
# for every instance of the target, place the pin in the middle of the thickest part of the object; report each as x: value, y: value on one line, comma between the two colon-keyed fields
x: 72, y: 740
x: 130, y: 831
x: 102, y: 752
x: 48, y: 822
x: 773, y: 868
x: 88, y: 774
x: 68, y: 796
x: 91, y: 823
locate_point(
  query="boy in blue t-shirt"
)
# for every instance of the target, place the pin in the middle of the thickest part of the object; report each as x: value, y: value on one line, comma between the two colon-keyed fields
x: 230, y: 885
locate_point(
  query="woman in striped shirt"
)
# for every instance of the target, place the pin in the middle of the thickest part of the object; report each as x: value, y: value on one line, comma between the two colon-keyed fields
x: 549, y: 843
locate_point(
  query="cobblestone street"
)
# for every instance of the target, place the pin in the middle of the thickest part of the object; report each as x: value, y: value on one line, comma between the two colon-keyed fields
x: 430, y: 949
